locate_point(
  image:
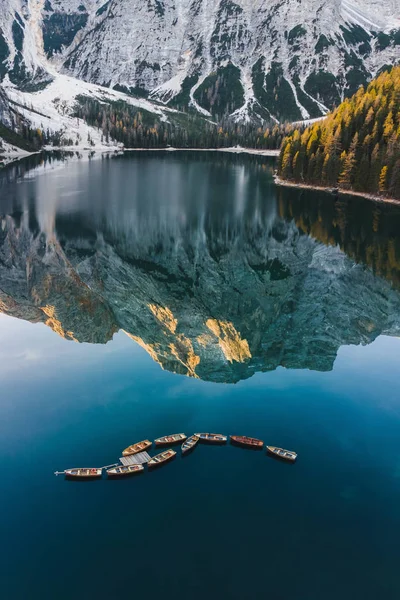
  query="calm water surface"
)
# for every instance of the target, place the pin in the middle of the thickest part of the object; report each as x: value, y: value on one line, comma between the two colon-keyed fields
x: 155, y: 293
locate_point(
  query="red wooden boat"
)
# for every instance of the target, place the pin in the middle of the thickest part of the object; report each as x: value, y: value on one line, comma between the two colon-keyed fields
x: 247, y: 442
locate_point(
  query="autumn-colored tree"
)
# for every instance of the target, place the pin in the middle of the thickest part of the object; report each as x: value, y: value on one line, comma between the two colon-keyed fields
x: 357, y: 146
x: 287, y: 162
x: 383, y: 180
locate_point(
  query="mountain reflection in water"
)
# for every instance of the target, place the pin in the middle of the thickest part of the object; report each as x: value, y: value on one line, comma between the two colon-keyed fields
x: 200, y: 259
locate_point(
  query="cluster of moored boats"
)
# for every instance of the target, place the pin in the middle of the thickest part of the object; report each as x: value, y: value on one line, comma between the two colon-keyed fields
x: 187, y: 445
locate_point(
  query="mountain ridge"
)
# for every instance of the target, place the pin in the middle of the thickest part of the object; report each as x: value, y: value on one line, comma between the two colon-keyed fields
x: 250, y: 59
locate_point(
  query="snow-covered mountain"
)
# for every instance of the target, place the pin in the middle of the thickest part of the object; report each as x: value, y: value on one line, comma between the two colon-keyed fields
x: 279, y: 59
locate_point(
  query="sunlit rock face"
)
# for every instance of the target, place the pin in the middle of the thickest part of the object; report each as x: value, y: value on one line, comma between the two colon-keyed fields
x: 217, y: 292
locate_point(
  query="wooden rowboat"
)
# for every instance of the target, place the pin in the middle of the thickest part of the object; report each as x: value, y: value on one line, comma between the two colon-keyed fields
x: 83, y: 473
x: 167, y: 440
x: 161, y: 459
x: 190, y: 443
x: 212, y: 438
x: 247, y: 442
x: 282, y: 453
x: 135, y: 448
x: 124, y: 471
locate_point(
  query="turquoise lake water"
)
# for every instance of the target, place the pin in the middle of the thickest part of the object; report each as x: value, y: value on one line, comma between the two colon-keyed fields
x: 157, y: 293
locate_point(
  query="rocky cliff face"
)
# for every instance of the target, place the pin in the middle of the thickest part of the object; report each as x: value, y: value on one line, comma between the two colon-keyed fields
x: 279, y: 59
x: 209, y: 297
x: 5, y: 113
x: 38, y: 284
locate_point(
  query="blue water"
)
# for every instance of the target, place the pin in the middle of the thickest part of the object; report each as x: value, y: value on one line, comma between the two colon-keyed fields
x: 223, y: 522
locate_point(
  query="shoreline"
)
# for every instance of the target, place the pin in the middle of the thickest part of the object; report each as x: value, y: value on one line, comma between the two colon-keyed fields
x: 231, y: 149
x: 10, y: 156
x: 15, y: 155
x: 340, y: 192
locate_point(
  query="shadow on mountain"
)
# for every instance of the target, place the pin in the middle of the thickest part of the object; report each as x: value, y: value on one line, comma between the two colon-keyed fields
x: 201, y: 260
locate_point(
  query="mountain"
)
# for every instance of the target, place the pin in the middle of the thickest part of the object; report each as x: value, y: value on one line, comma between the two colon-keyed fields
x: 41, y: 99
x: 357, y: 147
x: 252, y: 59
x: 213, y: 291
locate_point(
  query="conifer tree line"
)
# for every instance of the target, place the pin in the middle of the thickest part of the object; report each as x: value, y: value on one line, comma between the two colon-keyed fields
x: 357, y: 147
x: 27, y: 137
x: 136, y: 128
x: 24, y: 136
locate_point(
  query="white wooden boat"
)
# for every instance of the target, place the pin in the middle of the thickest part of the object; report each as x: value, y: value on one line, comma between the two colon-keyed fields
x: 281, y: 453
x: 212, y: 438
x: 83, y: 473
x: 190, y: 443
x: 124, y: 471
x: 168, y: 440
x: 161, y: 459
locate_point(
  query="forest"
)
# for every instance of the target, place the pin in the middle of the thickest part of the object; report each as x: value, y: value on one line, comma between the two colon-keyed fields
x: 136, y: 128
x: 357, y: 147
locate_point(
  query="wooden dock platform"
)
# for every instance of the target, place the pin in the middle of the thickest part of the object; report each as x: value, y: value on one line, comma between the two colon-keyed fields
x: 135, y: 459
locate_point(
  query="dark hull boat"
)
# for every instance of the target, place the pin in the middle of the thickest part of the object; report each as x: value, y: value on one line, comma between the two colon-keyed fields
x: 124, y: 471
x: 169, y: 440
x: 135, y: 448
x: 161, y: 459
x: 247, y: 442
x: 212, y: 438
x: 282, y: 454
x: 189, y: 444
x: 83, y: 474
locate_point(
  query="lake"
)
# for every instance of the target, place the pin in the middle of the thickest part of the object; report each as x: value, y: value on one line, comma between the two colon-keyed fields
x: 159, y: 292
